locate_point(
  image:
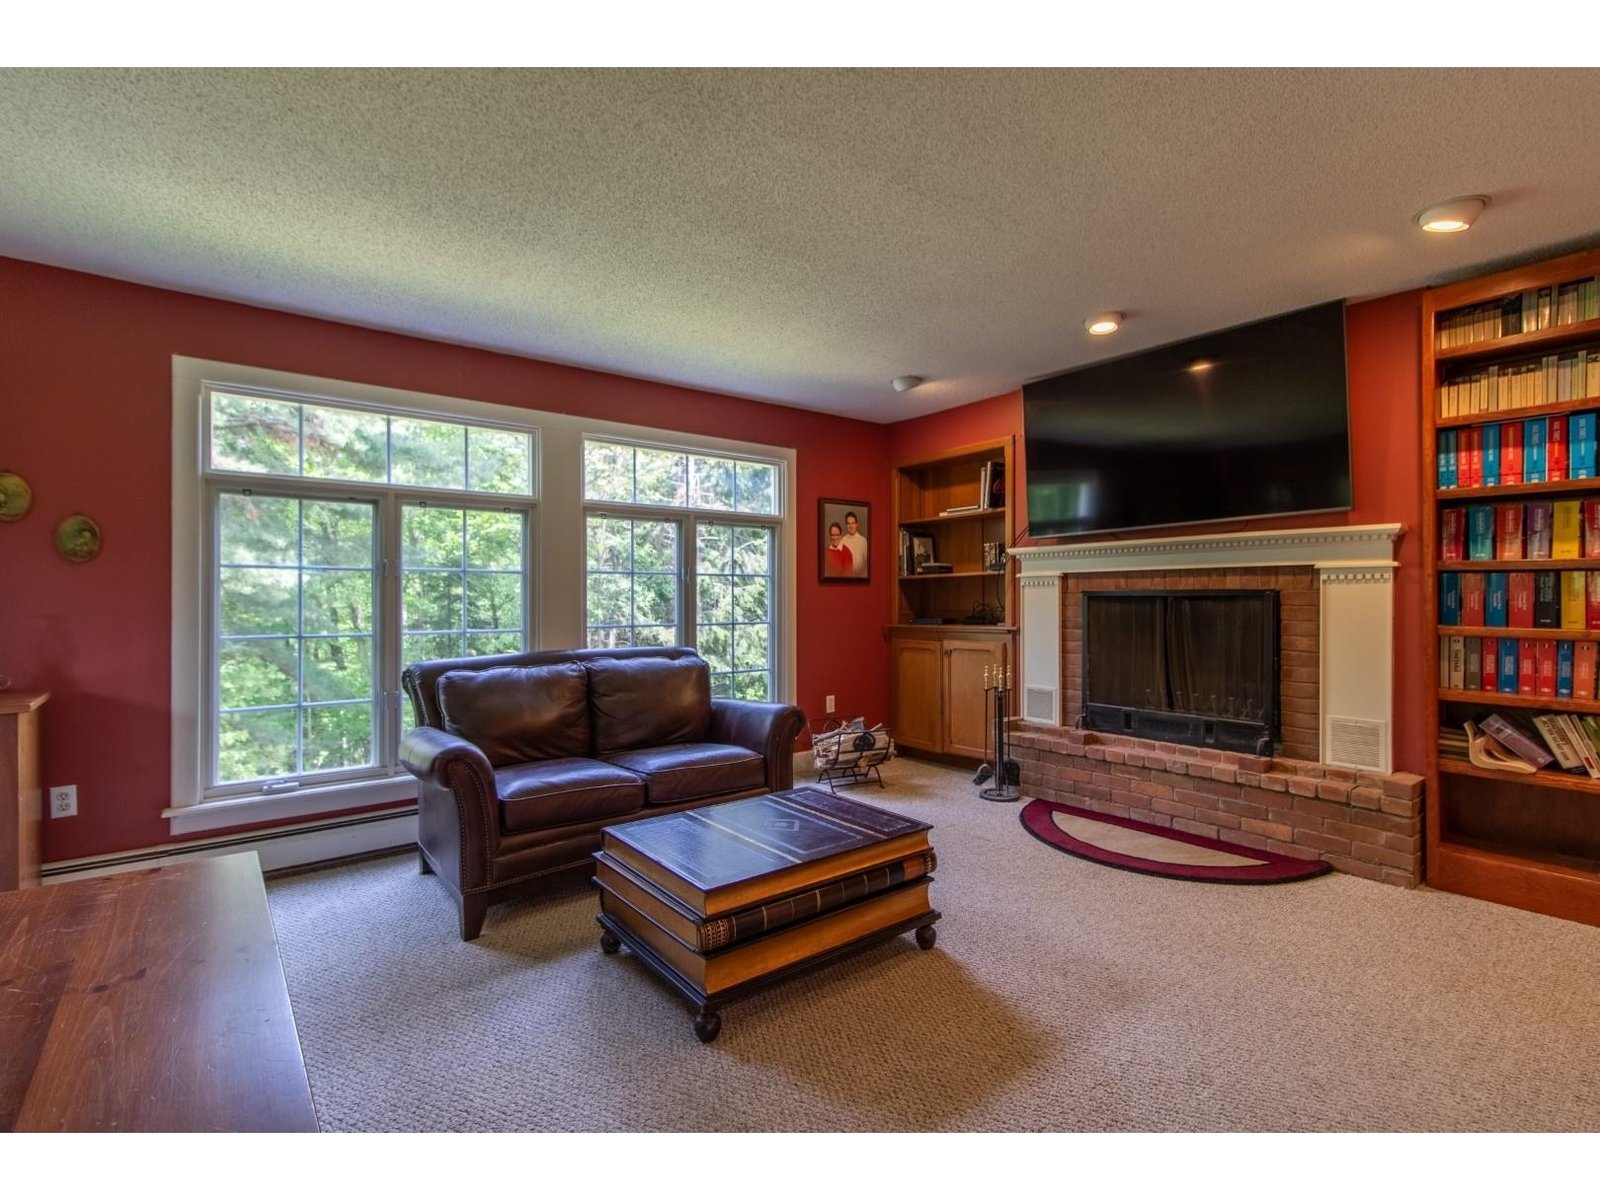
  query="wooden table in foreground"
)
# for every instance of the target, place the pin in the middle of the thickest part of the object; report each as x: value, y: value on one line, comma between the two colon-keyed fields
x: 723, y: 900
x: 151, y: 1001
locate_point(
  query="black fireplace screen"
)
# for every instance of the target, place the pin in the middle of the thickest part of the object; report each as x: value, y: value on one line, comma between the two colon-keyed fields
x: 1199, y: 667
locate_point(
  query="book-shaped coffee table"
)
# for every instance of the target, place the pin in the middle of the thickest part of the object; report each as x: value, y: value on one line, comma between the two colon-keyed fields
x: 723, y: 900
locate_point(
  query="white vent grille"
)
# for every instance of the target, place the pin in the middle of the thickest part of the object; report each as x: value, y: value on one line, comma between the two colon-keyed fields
x: 1354, y: 742
x: 1039, y: 704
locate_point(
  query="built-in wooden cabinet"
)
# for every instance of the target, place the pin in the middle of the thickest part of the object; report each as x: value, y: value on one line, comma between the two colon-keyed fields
x: 952, y: 622
x: 1507, y: 359
x: 19, y: 788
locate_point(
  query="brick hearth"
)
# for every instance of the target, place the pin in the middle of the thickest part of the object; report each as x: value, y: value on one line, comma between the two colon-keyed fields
x: 1359, y: 822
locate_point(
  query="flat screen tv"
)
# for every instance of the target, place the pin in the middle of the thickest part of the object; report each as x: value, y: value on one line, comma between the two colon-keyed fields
x: 1245, y: 422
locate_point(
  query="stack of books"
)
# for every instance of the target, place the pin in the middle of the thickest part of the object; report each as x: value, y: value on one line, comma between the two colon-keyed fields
x: 730, y: 894
x: 1568, y: 741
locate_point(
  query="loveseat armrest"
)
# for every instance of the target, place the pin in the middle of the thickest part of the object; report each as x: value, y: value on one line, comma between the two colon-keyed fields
x: 768, y: 729
x: 430, y: 754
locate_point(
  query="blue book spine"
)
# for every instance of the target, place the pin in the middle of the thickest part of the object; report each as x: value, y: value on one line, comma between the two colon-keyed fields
x: 1449, y: 597
x: 1491, y: 456
x: 1580, y: 446
x: 1495, y: 599
x: 1451, y: 443
x: 1564, y: 669
x: 1510, y: 650
x: 1533, y: 434
x: 1480, y: 532
x: 1444, y: 460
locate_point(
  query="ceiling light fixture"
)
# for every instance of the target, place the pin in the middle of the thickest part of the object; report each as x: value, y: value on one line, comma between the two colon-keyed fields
x: 1103, y: 323
x: 1452, y: 216
x: 904, y: 383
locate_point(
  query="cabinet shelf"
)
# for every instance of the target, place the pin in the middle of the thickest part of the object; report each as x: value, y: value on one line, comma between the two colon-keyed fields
x: 983, y: 514
x: 932, y: 575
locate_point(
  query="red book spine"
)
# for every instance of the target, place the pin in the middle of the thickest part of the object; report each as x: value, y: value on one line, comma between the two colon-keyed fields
x: 1508, y: 530
x: 1453, y: 534
x: 1545, y: 664
x: 1591, y: 528
x: 1472, y: 587
x: 1528, y: 668
x: 1591, y: 606
x: 1519, y: 599
x: 1491, y: 664
x: 1511, y: 452
x: 1555, y: 450
x: 1473, y: 437
x: 1583, y: 670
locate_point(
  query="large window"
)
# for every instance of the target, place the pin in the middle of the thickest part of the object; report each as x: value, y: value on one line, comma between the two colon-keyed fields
x: 346, y: 542
x: 663, y: 524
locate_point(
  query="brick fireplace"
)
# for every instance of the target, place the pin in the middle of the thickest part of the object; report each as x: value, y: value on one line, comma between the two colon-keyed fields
x: 1327, y: 790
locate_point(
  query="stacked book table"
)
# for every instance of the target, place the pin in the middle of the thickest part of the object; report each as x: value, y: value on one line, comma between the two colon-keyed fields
x: 723, y: 900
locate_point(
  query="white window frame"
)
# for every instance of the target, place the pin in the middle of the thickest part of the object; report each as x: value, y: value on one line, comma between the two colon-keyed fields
x: 688, y: 518
x: 557, y: 532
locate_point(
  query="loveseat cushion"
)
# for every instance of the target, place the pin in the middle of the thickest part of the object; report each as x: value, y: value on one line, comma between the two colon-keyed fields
x: 565, y: 791
x: 519, y: 714
x: 639, y: 702
x: 673, y: 774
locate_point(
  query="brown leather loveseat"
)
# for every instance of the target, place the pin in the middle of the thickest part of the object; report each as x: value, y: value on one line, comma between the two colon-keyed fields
x: 522, y: 758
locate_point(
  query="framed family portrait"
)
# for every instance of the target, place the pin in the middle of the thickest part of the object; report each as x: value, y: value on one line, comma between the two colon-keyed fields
x: 844, y: 529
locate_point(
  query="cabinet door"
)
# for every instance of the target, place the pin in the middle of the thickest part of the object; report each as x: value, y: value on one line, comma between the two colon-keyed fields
x: 967, y: 715
x: 917, y: 679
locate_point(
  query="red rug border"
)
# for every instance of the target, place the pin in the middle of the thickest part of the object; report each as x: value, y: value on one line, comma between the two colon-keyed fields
x: 1275, y: 868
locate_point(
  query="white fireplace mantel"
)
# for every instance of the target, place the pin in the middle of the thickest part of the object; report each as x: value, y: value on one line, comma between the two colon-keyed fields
x: 1355, y: 565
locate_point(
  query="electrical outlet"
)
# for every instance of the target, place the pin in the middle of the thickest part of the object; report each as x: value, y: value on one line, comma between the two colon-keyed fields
x: 64, y: 800
x: 829, y: 702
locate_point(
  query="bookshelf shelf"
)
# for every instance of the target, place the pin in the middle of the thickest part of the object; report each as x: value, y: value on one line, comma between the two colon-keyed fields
x: 1516, y: 700
x: 1520, y: 345
x: 1519, y: 564
x: 1555, y: 408
x: 1557, y: 487
x: 1528, y: 840
x: 1559, y: 780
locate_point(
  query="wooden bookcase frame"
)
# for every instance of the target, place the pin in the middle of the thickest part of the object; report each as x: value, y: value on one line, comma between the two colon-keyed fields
x: 1530, y: 841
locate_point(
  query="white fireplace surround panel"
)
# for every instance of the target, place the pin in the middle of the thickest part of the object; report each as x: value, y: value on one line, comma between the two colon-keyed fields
x: 1355, y: 566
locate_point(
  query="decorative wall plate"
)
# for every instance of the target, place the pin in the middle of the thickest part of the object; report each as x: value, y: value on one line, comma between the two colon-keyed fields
x: 16, y: 497
x: 77, y: 539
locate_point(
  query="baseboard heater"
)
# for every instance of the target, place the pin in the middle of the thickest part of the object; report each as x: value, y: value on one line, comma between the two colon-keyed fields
x: 280, y: 848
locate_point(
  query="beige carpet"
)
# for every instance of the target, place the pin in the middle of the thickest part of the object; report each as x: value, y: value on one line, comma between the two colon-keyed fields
x: 1062, y: 995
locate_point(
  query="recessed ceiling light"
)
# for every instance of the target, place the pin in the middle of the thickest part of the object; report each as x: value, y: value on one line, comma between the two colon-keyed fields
x: 1200, y: 366
x: 904, y: 383
x: 1453, y: 215
x: 1103, y: 323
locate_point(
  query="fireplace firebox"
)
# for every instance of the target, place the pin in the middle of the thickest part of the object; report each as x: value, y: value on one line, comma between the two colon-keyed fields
x: 1196, y: 667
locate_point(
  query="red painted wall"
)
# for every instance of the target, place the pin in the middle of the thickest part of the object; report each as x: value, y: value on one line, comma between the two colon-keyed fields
x: 86, y: 415
x: 1384, y: 360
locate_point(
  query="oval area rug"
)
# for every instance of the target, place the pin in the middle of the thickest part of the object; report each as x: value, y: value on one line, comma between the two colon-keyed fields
x: 1153, y: 850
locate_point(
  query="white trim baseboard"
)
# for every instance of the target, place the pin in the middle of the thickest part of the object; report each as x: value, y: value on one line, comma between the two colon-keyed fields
x: 290, y: 846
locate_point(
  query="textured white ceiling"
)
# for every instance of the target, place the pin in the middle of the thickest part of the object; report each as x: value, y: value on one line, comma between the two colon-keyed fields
x: 792, y: 236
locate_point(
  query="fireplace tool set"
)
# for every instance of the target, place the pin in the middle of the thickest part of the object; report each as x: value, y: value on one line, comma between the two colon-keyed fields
x: 1005, y: 773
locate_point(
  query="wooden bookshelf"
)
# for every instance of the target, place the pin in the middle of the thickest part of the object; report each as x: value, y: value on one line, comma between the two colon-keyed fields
x: 1532, y: 841
x: 951, y: 629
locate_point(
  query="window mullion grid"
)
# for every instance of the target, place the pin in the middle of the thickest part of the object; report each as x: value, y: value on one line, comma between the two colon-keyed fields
x: 689, y: 575
x: 386, y: 642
